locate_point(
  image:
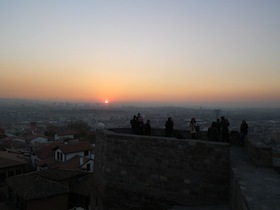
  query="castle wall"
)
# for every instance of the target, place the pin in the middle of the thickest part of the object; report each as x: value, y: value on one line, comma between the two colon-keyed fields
x: 178, y: 171
x: 260, y: 154
x: 253, y: 185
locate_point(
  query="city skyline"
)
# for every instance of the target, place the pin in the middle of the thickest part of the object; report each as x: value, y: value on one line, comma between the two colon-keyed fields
x: 216, y: 53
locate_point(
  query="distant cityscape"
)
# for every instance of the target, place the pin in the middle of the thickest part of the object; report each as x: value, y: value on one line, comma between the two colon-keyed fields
x: 16, y: 115
x: 50, y: 141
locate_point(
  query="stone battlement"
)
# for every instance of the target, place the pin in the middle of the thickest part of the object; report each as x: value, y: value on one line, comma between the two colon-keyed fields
x: 177, y: 171
x: 155, y: 172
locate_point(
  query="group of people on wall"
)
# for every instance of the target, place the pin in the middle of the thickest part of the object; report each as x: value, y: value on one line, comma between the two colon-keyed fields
x: 194, y: 128
x: 138, y: 126
x: 219, y: 130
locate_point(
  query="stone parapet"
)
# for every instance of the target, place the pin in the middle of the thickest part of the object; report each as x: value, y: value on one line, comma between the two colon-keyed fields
x: 170, y: 170
x: 252, y: 187
x: 259, y: 153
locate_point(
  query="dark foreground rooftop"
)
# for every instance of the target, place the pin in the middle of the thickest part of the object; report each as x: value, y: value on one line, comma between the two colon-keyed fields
x: 32, y: 186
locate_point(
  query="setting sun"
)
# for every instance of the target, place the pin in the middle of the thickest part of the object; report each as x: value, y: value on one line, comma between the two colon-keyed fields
x: 106, y: 101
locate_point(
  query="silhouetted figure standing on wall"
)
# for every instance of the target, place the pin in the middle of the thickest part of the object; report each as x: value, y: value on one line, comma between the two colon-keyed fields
x: 218, y: 124
x: 194, y: 128
x: 243, y: 132
x: 169, y: 127
x: 140, y: 124
x: 147, y: 128
x: 224, y: 129
x: 213, y: 133
x: 133, y: 124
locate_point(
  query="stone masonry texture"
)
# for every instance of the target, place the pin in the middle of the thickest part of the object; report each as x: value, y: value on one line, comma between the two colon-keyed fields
x: 140, y: 170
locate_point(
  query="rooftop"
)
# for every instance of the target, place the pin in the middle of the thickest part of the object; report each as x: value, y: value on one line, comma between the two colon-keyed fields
x: 10, y: 159
x: 75, y: 147
x: 56, y: 174
x: 32, y: 186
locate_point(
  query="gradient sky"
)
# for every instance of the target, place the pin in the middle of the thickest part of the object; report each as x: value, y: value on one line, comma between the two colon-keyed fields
x: 179, y: 52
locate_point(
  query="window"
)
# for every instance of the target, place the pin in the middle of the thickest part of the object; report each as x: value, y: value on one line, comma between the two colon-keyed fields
x: 59, y: 156
x: 86, y: 153
x: 10, y: 173
x: 2, y: 177
x: 88, y: 167
x: 18, y: 171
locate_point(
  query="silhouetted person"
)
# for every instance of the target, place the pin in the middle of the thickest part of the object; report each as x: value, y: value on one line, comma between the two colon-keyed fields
x: 218, y: 124
x: 139, y: 124
x: 213, y: 133
x: 224, y: 129
x: 133, y: 124
x: 194, y: 128
x: 169, y: 127
x: 243, y: 132
x: 147, y: 128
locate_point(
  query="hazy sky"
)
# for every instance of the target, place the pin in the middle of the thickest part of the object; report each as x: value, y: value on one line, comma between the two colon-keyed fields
x: 184, y: 52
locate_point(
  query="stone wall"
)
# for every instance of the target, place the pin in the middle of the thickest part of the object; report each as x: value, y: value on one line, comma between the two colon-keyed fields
x: 179, y: 134
x: 152, y: 170
x: 252, y: 187
x: 259, y: 153
x: 237, y: 196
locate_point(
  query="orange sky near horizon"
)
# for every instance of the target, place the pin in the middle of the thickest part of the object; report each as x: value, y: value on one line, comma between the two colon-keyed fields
x: 60, y: 85
x: 141, y: 52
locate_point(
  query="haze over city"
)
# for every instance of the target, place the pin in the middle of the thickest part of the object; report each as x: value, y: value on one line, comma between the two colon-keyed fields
x: 205, y: 53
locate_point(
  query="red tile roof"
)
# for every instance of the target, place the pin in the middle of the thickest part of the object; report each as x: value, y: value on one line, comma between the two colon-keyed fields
x: 57, y: 174
x: 10, y: 159
x: 75, y: 147
x: 50, y: 163
x: 72, y: 164
x: 30, y: 137
x: 10, y: 138
x: 66, y: 133
x: 32, y: 186
x: 46, y: 151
